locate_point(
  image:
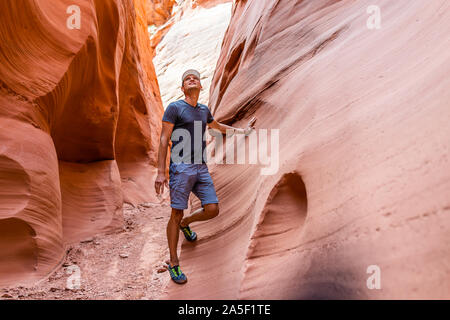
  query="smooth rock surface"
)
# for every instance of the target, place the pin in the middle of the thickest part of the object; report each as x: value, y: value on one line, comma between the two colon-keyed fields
x: 79, y: 120
x: 364, y: 145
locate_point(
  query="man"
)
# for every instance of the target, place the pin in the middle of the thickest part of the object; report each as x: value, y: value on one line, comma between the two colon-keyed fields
x: 189, y: 172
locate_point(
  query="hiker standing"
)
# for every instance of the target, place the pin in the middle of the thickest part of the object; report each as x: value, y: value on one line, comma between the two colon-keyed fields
x: 187, y: 172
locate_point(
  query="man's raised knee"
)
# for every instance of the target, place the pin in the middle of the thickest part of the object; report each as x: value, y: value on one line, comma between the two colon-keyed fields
x: 212, y: 210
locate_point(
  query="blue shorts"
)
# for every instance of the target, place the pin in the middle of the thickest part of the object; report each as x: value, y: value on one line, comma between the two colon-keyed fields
x: 184, y: 178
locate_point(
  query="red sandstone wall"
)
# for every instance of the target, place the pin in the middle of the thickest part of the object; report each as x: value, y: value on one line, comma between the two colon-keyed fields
x: 364, y: 174
x: 80, y: 117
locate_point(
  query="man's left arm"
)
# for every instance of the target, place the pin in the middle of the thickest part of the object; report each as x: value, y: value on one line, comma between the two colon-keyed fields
x: 223, y: 128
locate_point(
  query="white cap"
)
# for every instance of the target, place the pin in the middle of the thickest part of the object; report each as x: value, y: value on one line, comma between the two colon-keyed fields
x: 189, y: 72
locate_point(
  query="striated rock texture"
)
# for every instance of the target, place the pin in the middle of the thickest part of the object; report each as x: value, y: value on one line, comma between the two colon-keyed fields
x: 79, y: 122
x: 191, y: 38
x: 364, y: 150
x: 159, y: 11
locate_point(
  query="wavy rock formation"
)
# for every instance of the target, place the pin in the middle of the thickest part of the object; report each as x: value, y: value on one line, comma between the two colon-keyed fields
x: 79, y: 123
x: 159, y: 11
x: 191, y: 38
x: 363, y: 179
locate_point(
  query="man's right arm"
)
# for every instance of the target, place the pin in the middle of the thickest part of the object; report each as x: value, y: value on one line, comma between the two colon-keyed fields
x: 161, y: 179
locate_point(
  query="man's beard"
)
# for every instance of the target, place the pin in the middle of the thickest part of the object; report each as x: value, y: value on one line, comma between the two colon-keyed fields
x: 192, y: 90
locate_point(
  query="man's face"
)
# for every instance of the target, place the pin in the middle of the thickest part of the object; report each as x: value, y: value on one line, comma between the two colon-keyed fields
x: 191, y: 82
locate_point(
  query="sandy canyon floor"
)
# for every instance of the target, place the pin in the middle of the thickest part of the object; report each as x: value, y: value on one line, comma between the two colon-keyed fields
x: 127, y: 264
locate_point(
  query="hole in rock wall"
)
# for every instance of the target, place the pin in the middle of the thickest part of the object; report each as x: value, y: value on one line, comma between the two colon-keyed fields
x: 283, y: 217
x: 271, y: 264
x: 18, y: 250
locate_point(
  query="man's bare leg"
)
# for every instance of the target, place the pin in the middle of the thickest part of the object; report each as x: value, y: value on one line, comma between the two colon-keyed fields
x: 209, y: 211
x: 173, y: 230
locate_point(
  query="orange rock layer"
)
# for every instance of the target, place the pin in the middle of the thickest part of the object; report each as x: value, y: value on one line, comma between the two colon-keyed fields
x: 363, y: 180
x: 80, y: 118
x: 159, y: 11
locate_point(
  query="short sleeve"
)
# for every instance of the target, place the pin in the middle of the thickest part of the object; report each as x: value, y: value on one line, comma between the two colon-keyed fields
x: 171, y: 114
x: 210, y: 117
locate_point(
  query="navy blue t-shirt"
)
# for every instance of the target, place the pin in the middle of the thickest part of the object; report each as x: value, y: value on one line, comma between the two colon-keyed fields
x: 193, y: 120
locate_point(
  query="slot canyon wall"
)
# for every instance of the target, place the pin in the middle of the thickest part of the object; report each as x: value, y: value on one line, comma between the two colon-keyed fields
x: 80, y: 118
x: 363, y: 181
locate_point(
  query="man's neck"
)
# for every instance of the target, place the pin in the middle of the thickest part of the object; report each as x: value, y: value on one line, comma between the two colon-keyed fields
x: 192, y: 99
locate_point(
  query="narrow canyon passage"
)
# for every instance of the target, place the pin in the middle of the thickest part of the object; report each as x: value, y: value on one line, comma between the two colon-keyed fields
x: 352, y: 102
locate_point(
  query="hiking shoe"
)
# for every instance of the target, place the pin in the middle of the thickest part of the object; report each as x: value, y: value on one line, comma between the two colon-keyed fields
x: 176, y: 274
x: 188, y: 233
